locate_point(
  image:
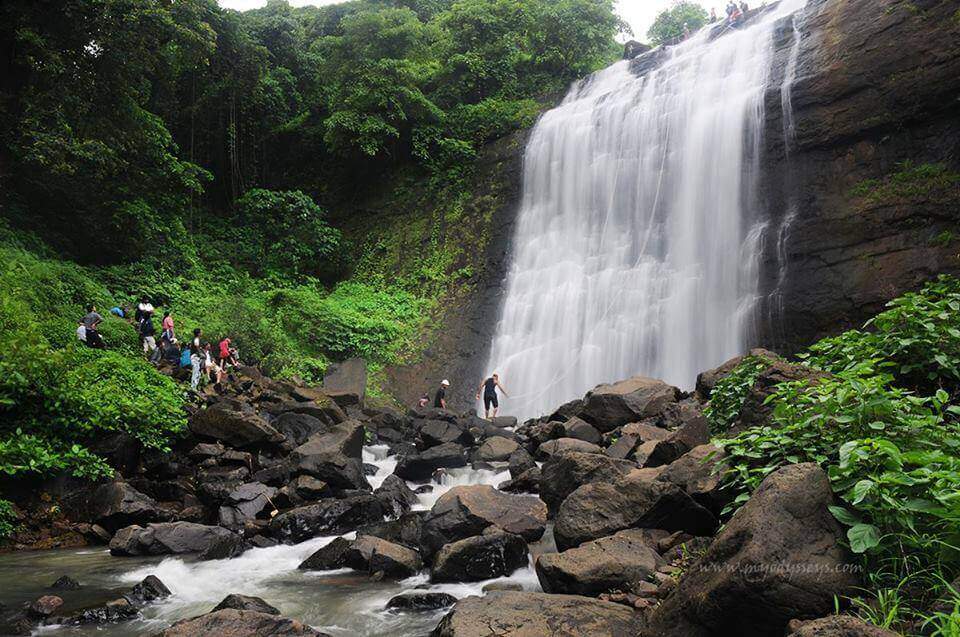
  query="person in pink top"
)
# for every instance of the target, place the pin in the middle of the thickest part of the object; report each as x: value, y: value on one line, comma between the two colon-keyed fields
x: 167, y: 325
x: 227, y: 354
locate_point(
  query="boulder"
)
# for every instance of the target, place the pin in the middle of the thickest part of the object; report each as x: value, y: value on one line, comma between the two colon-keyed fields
x: 120, y: 450
x: 418, y: 601
x: 333, y: 457
x: 234, y: 427
x: 166, y: 538
x: 836, y: 626
x: 406, y: 530
x: 609, y: 406
x: 115, y: 505
x: 116, y: 610
x: 567, y: 411
x: 329, y: 557
x: 520, y: 462
x: 696, y: 472
x: 538, y: 433
x: 694, y: 430
x: 707, y: 380
x: 779, y: 557
x: 438, y: 432
x: 324, y: 409
x: 564, y: 473
x: 297, y: 428
x: 637, y: 500
x: 376, y: 555
x: 633, y: 435
x: 346, y: 382
x: 309, y: 488
x: 519, y: 614
x: 496, y: 449
x: 504, y: 422
x: 44, y: 606
x: 326, y: 517
x: 395, y: 496
x: 562, y: 445
x: 466, y: 511
x: 239, y: 623
x: 755, y: 411
x: 581, y: 430
x: 420, y: 466
x: 527, y: 482
x: 620, y: 562
x: 148, y: 590
x: 482, y: 557
x: 225, y: 548
x: 244, y: 602
x: 65, y: 583
x: 245, y: 503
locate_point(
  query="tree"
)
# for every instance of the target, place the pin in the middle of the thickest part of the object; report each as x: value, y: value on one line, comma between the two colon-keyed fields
x: 669, y: 24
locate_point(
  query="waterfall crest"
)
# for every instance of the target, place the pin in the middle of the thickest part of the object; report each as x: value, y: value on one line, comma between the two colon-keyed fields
x: 637, y: 244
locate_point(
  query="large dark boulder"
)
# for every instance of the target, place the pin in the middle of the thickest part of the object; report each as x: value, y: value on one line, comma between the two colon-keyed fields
x: 510, y: 613
x: 239, y: 623
x: 326, y: 517
x: 637, y: 500
x: 225, y: 548
x: 346, y: 382
x: 345, y: 438
x: 115, y: 505
x: 697, y: 472
x: 246, y: 502
x: 149, y: 589
x: 780, y: 557
x: 496, y: 449
x: 564, y: 473
x: 406, y: 530
x: 581, y: 430
x: 438, y: 432
x: 481, y: 557
x: 234, y: 427
x: 166, y: 538
x: 634, y: 435
x: 421, y: 466
x: 520, y: 462
x: 245, y: 602
x: 329, y: 557
x: 395, y: 496
x: 120, y: 450
x: 466, y: 511
x: 692, y: 431
x: 297, y: 428
x: 565, y: 445
x: 609, y: 406
x: 836, y: 626
x: 619, y: 562
x: 419, y: 601
x: 333, y: 457
x: 376, y: 555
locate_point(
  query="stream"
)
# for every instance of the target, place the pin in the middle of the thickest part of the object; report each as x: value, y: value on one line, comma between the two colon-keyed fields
x: 342, y: 602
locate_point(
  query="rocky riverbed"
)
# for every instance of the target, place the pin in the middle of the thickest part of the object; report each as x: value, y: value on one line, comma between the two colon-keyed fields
x: 288, y: 510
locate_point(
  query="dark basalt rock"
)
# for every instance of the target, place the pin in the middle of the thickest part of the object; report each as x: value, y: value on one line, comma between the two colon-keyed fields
x: 418, y: 602
x: 326, y: 517
x: 224, y: 548
x: 376, y: 555
x: 65, y: 583
x: 117, y: 504
x: 463, y: 512
x: 395, y: 496
x: 482, y: 557
x: 166, y: 538
x: 244, y: 602
x: 240, y: 623
x: 328, y: 557
x: 421, y: 466
x: 234, y: 424
x: 564, y: 473
x: 609, y: 406
x: 148, y: 590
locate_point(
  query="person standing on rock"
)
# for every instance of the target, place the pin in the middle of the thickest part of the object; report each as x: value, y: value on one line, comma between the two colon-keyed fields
x: 489, y: 388
x: 440, y: 398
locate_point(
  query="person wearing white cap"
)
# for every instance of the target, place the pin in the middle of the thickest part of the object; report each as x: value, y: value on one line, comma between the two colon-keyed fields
x: 439, y: 399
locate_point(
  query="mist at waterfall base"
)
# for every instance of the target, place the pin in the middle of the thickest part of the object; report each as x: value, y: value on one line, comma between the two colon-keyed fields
x: 638, y: 241
x: 341, y: 603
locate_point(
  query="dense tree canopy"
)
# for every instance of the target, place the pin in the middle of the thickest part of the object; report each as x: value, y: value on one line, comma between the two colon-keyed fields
x: 669, y: 25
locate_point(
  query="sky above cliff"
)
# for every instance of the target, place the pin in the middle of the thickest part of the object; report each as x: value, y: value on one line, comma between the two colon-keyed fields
x: 638, y: 13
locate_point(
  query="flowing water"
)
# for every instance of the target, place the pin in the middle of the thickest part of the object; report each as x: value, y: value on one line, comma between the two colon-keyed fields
x: 638, y: 240
x: 342, y: 603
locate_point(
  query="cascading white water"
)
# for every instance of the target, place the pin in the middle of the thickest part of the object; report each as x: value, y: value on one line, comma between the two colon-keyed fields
x: 636, y: 247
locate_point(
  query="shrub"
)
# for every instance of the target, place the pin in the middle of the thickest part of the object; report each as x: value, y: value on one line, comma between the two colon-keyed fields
x: 8, y: 519
x: 727, y: 397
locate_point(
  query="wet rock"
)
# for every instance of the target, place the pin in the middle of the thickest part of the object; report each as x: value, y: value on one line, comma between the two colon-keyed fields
x: 620, y: 562
x: 581, y: 430
x: 309, y: 488
x: 326, y: 517
x: 417, y: 602
x: 482, y: 557
x: 421, y: 466
x: 262, y: 541
x: 245, y: 602
x: 463, y: 512
x: 14, y: 621
x: 65, y: 583
x: 114, y: 611
x: 609, y: 406
x: 326, y: 410
x: 245, y: 503
x: 44, y: 606
x: 406, y: 530
x: 166, y: 538
x: 637, y: 500
x: 501, y: 586
x: 328, y: 557
x: 224, y: 548
x: 117, y: 504
x: 148, y: 590
x: 333, y: 457
x: 298, y: 428
x: 522, y: 613
x: 438, y: 432
x: 528, y: 482
x: 562, y: 445
x: 496, y: 449
x: 239, y: 623
x: 564, y: 473
x: 835, y: 626
x: 376, y: 555
x: 234, y: 427
x: 520, y: 462
x: 786, y: 530
x: 395, y: 496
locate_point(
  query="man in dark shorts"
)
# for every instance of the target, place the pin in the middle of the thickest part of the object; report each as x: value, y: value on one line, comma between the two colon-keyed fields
x: 440, y: 398
x: 489, y: 389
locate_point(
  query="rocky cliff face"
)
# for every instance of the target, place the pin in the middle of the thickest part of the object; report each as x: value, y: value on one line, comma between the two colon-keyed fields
x: 865, y: 198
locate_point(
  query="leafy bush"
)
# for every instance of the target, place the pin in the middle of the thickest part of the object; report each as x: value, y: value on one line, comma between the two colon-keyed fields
x: 668, y: 27
x: 727, y: 397
x: 8, y: 519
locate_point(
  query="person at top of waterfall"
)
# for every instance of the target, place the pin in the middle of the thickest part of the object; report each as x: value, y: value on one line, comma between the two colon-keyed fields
x: 736, y: 16
x: 686, y: 30
x: 713, y: 15
x: 744, y: 8
x: 731, y: 7
x: 489, y: 388
x: 440, y: 398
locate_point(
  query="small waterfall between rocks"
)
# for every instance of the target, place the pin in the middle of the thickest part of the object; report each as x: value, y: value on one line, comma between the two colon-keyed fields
x: 637, y: 246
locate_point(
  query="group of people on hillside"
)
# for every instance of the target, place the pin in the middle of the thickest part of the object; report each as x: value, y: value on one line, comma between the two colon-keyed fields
x: 199, y: 355
x: 488, y: 389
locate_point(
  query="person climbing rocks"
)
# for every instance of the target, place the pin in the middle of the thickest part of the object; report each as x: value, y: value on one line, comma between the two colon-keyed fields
x: 196, y: 358
x: 489, y: 388
x: 228, y: 355
x: 167, y: 326
x: 713, y: 15
x: 210, y: 367
x: 424, y: 401
x: 440, y: 398
x: 744, y: 8
x: 148, y: 332
x: 144, y: 307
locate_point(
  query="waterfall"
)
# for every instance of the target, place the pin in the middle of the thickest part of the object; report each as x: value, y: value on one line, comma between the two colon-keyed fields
x: 637, y: 244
